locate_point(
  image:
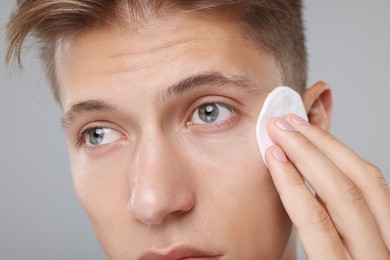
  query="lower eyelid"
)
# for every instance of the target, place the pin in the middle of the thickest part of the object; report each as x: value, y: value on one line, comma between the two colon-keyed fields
x: 214, y: 127
x: 81, y: 137
x: 102, y: 147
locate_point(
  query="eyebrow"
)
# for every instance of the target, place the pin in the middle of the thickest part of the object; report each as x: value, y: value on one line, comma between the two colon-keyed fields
x: 81, y: 108
x: 214, y: 79
x: 204, y: 80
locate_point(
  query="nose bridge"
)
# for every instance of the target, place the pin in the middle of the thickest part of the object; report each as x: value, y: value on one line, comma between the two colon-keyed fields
x: 158, y: 181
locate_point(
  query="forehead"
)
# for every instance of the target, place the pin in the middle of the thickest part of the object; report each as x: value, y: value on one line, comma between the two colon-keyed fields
x: 162, y: 51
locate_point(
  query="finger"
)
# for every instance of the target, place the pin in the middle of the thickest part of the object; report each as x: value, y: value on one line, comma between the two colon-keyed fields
x: 367, y: 177
x: 343, y: 200
x: 318, y: 235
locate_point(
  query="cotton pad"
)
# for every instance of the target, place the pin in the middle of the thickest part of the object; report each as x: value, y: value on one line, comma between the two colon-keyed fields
x: 280, y: 102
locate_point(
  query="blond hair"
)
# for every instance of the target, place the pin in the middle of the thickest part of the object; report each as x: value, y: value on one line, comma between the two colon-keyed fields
x: 276, y: 26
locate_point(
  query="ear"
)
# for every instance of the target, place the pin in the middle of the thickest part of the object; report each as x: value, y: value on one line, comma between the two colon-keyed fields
x: 319, y: 104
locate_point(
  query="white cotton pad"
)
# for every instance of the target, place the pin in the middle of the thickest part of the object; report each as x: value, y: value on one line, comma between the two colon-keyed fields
x: 280, y: 102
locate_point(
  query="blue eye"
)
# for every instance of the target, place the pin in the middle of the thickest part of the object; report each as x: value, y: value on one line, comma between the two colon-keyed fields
x: 211, y: 113
x: 100, y: 136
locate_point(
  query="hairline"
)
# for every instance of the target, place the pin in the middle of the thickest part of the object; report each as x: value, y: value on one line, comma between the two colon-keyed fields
x: 66, y: 40
x: 291, y: 58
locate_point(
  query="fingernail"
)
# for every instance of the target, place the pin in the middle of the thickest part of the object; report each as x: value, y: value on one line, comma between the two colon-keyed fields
x: 299, y: 120
x: 279, y: 155
x: 284, y: 125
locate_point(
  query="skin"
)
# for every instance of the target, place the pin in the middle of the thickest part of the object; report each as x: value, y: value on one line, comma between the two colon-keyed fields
x: 164, y: 179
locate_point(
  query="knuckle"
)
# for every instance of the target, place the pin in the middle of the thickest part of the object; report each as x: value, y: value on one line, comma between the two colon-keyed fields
x: 374, y: 171
x: 297, y: 181
x: 381, y: 180
x: 320, y: 217
x: 352, y: 193
x: 375, y: 175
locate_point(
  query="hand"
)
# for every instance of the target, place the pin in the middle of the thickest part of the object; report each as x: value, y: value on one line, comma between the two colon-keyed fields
x: 349, y: 217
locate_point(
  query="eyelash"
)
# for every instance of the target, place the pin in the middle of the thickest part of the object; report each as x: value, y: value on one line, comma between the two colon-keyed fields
x: 80, y: 139
x: 220, y: 124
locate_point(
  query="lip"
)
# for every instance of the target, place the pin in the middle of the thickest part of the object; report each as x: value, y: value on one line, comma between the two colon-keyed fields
x: 179, y: 253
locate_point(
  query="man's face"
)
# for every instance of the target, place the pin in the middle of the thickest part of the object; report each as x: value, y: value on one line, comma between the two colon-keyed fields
x: 161, y: 131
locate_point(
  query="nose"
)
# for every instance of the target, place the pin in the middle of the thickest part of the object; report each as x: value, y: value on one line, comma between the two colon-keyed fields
x: 160, y: 185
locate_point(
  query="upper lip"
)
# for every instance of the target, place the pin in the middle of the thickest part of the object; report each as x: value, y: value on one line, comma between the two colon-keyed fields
x: 177, y: 253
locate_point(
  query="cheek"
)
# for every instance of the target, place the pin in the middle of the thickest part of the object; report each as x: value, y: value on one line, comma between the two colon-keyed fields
x: 228, y: 160
x: 236, y: 189
x: 101, y: 183
x: 102, y: 186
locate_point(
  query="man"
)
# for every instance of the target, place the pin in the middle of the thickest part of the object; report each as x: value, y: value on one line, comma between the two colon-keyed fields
x: 160, y: 102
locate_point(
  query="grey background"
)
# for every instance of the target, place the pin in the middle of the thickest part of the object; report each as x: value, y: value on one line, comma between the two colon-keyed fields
x: 40, y: 216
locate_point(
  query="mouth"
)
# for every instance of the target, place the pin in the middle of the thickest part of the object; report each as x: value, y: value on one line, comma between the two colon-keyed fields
x: 179, y: 253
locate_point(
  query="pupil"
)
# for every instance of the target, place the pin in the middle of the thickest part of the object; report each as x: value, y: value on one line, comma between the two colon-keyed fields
x: 209, y: 110
x: 208, y: 113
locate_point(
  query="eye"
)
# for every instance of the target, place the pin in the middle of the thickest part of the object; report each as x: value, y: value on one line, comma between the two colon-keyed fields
x: 211, y: 113
x: 100, y: 136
